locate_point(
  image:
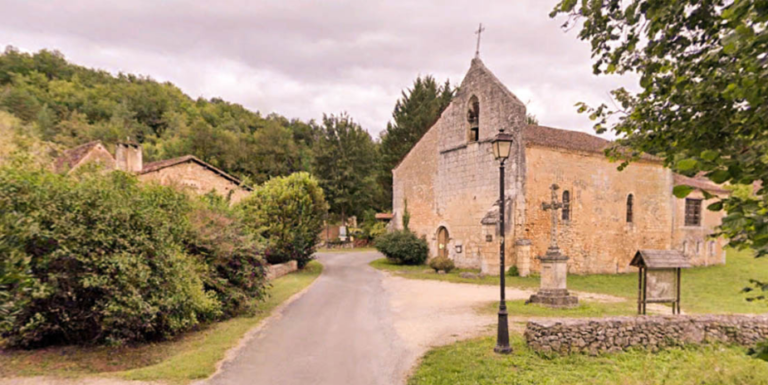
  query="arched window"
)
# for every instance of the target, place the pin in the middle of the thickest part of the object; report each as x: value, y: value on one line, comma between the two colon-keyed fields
x: 630, y: 202
x: 473, y: 118
x: 566, y: 205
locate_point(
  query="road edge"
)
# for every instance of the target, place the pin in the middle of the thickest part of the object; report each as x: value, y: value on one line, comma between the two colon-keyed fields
x: 276, y: 314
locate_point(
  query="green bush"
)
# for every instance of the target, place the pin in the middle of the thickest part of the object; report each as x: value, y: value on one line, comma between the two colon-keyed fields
x: 371, y: 227
x: 232, y: 253
x: 403, y: 247
x: 513, y: 271
x: 95, y: 259
x: 288, y: 213
x: 442, y: 263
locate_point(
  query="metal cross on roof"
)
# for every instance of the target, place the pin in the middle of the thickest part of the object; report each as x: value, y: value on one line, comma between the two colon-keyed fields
x: 553, y: 206
x: 479, y: 31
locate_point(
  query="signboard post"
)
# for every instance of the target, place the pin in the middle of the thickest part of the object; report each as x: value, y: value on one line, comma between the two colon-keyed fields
x: 659, y: 278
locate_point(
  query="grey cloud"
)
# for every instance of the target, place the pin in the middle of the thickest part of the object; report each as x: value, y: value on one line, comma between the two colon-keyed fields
x: 303, y: 58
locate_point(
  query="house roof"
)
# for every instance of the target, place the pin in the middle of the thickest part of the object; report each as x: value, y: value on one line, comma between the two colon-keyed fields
x: 73, y: 156
x: 571, y: 140
x: 155, y: 166
x: 660, y: 259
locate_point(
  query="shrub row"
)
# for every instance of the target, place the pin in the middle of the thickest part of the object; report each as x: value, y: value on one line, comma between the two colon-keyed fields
x: 101, y: 259
x: 403, y: 247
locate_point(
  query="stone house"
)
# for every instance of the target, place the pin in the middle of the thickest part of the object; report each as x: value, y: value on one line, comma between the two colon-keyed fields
x: 449, y: 181
x: 187, y: 172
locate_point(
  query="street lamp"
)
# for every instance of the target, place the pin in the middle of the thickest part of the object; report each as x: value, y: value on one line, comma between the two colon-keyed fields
x: 502, y: 147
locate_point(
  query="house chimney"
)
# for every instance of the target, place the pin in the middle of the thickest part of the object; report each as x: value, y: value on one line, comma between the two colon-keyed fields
x: 128, y: 157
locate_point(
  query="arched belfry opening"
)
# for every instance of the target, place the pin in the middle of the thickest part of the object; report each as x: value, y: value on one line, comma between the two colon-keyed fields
x: 473, y: 118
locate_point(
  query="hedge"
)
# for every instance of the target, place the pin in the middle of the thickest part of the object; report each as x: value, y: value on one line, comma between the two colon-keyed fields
x: 101, y: 259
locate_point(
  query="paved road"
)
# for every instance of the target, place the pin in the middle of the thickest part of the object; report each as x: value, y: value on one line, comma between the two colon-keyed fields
x: 339, y: 332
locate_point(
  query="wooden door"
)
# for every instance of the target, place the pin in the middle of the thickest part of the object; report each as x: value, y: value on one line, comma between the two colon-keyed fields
x: 442, y: 242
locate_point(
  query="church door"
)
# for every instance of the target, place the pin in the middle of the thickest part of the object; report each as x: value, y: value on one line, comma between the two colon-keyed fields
x: 442, y: 242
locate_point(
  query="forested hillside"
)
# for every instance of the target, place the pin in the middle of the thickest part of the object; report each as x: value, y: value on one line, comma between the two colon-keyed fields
x: 70, y: 105
x: 65, y: 104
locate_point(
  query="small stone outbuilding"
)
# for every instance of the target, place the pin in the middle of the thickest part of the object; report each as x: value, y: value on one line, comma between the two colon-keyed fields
x: 186, y: 172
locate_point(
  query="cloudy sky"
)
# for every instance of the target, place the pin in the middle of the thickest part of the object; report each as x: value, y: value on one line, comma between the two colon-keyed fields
x: 304, y: 58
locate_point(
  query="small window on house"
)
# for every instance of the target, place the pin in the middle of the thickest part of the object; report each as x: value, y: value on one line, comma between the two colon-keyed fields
x: 566, y: 205
x: 711, y: 248
x: 473, y: 117
x: 692, y: 212
x: 698, y: 248
x: 630, y: 202
x: 685, y: 247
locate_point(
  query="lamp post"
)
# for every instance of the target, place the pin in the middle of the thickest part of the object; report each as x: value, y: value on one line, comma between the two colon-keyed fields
x: 502, y: 146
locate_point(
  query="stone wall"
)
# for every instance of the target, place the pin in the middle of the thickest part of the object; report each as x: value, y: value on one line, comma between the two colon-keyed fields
x: 599, y: 335
x: 414, y: 179
x: 597, y: 237
x: 196, y: 178
x: 694, y: 241
x: 281, y: 269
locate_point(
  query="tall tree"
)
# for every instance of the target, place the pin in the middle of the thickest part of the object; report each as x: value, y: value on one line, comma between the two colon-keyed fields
x: 345, y: 159
x: 703, y: 104
x: 415, y: 112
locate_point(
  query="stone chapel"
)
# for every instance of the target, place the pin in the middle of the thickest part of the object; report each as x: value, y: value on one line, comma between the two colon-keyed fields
x: 449, y: 181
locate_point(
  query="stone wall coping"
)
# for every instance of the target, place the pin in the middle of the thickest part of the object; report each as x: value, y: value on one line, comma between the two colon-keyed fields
x: 551, y: 322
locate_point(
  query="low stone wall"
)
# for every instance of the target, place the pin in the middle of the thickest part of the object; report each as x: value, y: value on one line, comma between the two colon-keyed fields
x: 598, y: 335
x: 279, y: 270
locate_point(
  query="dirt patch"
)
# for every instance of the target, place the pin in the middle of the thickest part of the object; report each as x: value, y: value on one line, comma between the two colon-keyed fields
x: 431, y: 313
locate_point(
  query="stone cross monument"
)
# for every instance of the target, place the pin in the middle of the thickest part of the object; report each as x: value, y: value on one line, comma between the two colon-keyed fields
x: 554, y: 268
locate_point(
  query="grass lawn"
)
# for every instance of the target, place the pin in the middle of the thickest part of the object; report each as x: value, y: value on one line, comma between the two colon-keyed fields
x: 192, y: 356
x: 585, y: 309
x: 473, y: 362
x: 713, y: 289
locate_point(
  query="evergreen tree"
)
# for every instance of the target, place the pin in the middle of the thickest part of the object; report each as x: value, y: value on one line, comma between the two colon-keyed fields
x: 415, y: 112
x: 345, y: 160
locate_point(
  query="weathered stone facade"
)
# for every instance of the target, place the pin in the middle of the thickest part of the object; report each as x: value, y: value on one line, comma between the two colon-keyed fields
x: 186, y: 172
x: 600, y: 335
x: 450, y: 180
x: 192, y: 176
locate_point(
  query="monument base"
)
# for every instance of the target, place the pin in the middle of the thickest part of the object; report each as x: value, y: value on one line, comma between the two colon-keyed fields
x: 558, y: 299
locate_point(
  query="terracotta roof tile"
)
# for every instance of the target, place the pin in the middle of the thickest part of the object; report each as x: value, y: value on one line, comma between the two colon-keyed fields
x: 155, y: 166
x: 571, y: 140
x: 73, y: 156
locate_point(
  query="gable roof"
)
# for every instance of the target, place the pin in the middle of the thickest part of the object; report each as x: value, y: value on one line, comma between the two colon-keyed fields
x: 660, y: 259
x: 159, y: 165
x: 478, y: 66
x: 70, y: 158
